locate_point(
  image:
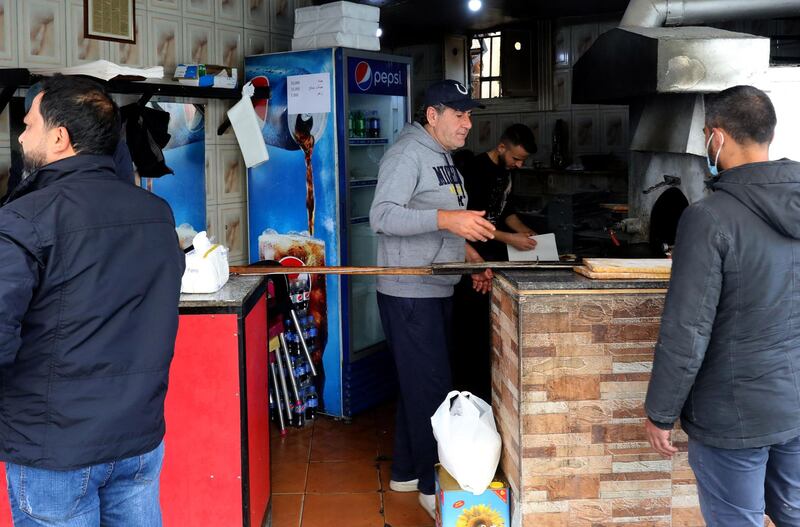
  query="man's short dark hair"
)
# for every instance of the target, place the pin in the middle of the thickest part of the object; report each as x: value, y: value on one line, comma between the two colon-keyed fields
x: 519, y: 135
x: 85, y: 109
x: 745, y: 112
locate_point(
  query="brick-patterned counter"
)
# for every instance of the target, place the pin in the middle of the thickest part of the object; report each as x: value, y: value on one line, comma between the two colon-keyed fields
x: 571, y: 358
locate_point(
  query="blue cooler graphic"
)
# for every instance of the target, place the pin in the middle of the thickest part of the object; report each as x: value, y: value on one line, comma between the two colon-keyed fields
x: 292, y: 203
x: 185, y: 190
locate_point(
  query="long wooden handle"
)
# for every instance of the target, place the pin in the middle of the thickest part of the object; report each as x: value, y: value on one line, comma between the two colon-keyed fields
x: 435, y: 269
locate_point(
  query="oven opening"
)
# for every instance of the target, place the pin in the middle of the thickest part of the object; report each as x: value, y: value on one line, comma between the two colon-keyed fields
x: 664, y: 218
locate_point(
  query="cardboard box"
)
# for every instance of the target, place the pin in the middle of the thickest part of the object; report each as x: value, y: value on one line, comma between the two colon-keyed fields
x: 456, y: 507
x: 206, y: 75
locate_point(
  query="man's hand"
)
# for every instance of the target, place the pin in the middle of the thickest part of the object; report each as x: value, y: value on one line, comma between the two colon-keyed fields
x: 659, y: 439
x: 468, y: 224
x: 521, y: 242
x: 482, y: 282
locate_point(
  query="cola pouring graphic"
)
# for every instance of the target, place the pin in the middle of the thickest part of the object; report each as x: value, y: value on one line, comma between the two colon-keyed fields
x: 308, y: 206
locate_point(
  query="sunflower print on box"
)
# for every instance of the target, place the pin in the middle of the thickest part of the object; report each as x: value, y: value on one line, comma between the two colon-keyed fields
x: 480, y: 516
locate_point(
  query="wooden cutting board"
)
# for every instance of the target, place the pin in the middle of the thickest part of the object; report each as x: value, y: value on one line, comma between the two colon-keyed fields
x: 662, y: 266
x: 585, y: 271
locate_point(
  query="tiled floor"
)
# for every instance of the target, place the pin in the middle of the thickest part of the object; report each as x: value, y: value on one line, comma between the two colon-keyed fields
x: 333, y: 473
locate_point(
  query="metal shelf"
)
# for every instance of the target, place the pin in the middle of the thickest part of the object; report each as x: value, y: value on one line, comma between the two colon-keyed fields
x: 367, y: 141
x: 355, y: 183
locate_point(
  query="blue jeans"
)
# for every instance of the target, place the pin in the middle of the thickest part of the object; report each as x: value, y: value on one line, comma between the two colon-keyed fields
x: 736, y: 487
x: 121, y: 493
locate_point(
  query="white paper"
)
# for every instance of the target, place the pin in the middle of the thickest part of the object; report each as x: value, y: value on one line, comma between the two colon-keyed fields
x: 544, y: 251
x: 309, y: 93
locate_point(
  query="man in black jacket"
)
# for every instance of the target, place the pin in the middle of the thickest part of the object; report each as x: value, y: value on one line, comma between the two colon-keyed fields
x: 89, y: 289
x: 727, y: 359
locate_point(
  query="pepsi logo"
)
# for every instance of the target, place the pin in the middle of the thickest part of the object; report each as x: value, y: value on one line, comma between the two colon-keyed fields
x: 363, y: 74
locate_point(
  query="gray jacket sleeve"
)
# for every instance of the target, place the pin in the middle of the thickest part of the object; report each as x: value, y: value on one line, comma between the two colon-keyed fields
x: 397, y: 181
x: 689, y: 312
x: 18, y: 278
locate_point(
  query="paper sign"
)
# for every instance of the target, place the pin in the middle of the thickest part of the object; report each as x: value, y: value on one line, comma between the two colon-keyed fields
x: 309, y: 93
x: 544, y: 251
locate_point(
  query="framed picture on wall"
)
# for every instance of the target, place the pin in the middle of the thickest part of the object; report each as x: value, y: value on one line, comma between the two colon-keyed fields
x: 109, y: 20
x: 229, y: 12
x: 132, y: 54
x: 230, y: 174
x: 42, y: 40
x: 256, y: 14
x: 585, y: 131
x: 83, y: 48
x: 281, y: 19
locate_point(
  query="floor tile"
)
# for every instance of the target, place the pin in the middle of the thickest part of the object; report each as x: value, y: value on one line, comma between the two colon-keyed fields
x: 385, y: 474
x: 351, y: 510
x: 289, y: 478
x: 342, y: 476
x: 402, y: 509
x: 291, y: 449
x: 286, y: 510
x: 346, y: 447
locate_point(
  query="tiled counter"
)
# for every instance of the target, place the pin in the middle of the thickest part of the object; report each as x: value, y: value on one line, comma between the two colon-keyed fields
x: 570, y: 363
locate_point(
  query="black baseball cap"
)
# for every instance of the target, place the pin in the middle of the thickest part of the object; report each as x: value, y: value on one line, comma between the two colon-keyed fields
x: 452, y: 94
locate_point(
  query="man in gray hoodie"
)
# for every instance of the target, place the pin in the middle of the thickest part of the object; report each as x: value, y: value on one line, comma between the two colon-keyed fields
x: 420, y: 215
x: 727, y: 361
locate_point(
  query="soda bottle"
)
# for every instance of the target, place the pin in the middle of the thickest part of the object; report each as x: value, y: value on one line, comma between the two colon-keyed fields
x: 350, y: 124
x: 359, y: 125
x: 312, y: 402
x: 374, y: 125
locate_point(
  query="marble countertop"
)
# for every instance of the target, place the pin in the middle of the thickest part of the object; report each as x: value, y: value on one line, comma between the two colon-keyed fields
x: 233, y: 294
x: 546, y: 280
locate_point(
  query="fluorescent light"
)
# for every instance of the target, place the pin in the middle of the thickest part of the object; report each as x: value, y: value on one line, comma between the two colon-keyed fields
x: 474, y: 5
x: 379, y: 32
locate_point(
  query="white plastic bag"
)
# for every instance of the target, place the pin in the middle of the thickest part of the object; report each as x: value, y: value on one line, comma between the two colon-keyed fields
x: 206, y: 266
x: 247, y: 130
x: 468, y: 442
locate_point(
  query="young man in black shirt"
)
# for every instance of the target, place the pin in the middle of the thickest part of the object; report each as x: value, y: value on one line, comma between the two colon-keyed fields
x: 487, y: 179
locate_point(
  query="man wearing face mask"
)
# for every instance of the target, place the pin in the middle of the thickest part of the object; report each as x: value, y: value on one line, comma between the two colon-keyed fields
x: 727, y: 361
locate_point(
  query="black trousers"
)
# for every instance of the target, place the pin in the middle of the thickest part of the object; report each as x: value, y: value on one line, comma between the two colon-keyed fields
x: 472, y: 341
x: 418, y: 334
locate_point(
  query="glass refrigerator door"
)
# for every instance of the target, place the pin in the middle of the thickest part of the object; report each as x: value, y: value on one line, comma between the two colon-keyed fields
x: 374, y: 122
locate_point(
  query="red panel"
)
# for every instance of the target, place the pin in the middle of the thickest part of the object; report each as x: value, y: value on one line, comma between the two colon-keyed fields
x: 5, y: 509
x: 257, y: 411
x: 201, y: 481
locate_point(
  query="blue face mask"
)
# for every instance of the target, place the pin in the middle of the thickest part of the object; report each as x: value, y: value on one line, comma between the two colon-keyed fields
x: 714, y: 169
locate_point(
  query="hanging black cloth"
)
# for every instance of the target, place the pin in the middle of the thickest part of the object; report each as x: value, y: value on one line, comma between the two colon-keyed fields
x: 146, y: 135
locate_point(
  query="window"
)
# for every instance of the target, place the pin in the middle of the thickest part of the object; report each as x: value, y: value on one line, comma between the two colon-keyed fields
x: 485, y: 66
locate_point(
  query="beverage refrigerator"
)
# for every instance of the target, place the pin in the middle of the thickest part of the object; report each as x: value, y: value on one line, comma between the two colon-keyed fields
x: 331, y: 115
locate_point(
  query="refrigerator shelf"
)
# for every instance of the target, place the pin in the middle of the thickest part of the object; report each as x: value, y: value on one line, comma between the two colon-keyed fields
x: 368, y: 141
x: 363, y: 182
x: 359, y: 219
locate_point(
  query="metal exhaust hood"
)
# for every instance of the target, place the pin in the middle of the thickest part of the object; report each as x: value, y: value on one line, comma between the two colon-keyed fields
x: 629, y: 62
